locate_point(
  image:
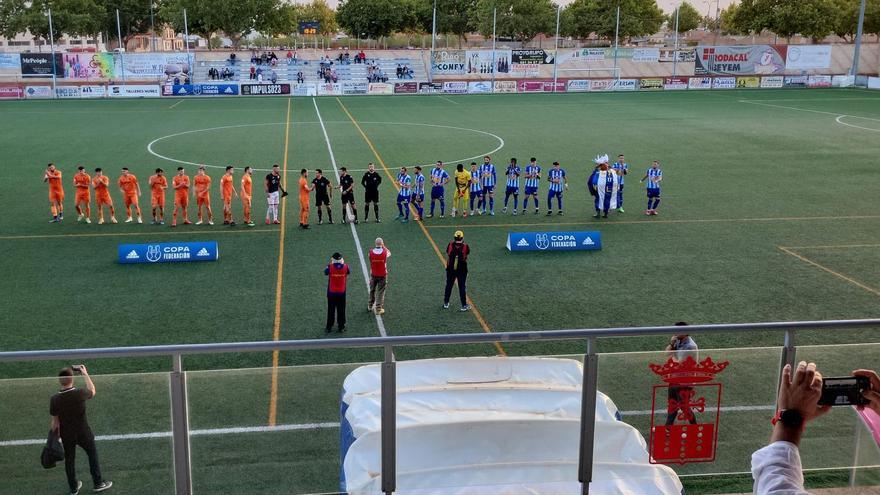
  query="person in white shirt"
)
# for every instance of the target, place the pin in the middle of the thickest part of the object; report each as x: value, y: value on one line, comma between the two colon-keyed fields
x: 776, y: 468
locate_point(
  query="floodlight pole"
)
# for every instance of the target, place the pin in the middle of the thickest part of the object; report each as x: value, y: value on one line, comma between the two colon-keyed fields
x: 186, y: 43
x: 52, y: 44
x: 153, y: 44
x: 616, y: 41
x: 556, y: 49
x: 675, y: 47
x: 854, y: 71
x: 494, y: 39
x: 433, y: 43
x: 121, y: 48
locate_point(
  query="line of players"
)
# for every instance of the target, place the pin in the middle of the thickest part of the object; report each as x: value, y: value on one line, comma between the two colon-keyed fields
x: 474, y: 191
x: 129, y: 186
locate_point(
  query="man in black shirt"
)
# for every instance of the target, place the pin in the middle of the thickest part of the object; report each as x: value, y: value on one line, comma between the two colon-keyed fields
x: 68, y: 410
x: 371, y: 182
x: 346, y: 185
x: 457, y: 253
x: 323, y: 193
x: 273, y: 196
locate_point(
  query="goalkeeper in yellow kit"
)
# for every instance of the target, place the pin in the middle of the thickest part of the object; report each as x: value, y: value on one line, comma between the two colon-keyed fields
x: 462, y: 190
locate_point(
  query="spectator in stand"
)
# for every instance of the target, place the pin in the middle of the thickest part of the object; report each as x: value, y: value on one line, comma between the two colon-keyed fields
x: 274, y: 77
x: 289, y: 57
x: 334, y: 76
x: 399, y: 71
x: 299, y: 77
x: 254, y: 59
x: 259, y: 73
x: 232, y: 59
x: 362, y: 56
x: 253, y: 71
x: 347, y: 58
x: 260, y: 78
x: 176, y: 81
x: 776, y: 468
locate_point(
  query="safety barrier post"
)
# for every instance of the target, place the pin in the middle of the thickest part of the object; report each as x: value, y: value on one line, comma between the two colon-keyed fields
x: 180, y: 429
x: 588, y: 415
x: 389, y: 422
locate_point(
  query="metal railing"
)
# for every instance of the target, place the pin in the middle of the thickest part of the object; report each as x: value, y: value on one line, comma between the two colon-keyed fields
x: 179, y: 401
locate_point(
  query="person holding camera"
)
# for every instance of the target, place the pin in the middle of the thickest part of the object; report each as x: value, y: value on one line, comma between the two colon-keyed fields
x: 680, y: 347
x: 68, y: 411
x: 776, y: 468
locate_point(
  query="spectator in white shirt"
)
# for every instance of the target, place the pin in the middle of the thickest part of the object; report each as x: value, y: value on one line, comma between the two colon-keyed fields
x: 776, y: 468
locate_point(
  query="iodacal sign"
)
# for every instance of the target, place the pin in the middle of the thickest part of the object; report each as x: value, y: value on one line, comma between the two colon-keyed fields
x: 554, y: 241
x: 168, y: 252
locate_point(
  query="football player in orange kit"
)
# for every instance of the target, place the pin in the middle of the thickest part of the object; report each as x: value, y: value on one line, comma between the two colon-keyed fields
x: 56, y: 192
x: 202, y: 185
x: 304, y: 190
x: 158, y: 185
x: 131, y: 191
x: 247, y: 189
x: 180, y: 183
x: 227, y: 190
x: 83, y: 199
x: 101, y: 185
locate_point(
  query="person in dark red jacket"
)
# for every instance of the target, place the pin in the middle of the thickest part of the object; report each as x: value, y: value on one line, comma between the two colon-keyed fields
x: 337, y: 271
x: 457, y: 253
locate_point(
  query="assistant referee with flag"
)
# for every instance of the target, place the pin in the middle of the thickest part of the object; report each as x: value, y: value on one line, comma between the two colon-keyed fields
x: 457, y: 253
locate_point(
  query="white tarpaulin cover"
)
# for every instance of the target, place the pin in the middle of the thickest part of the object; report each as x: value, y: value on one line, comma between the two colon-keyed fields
x: 490, y: 426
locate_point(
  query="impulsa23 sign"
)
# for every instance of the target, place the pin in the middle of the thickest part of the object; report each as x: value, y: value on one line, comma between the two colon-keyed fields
x: 688, y: 430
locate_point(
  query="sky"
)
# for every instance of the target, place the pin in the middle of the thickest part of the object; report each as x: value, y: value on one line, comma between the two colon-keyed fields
x: 666, y: 5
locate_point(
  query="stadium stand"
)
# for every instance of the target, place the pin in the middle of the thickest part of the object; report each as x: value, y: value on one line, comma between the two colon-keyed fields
x: 310, y: 67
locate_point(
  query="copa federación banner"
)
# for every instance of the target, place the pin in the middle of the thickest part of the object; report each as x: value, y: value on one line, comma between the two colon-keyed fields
x: 168, y: 252
x: 554, y: 241
x: 740, y: 60
x: 224, y: 89
x: 128, y: 65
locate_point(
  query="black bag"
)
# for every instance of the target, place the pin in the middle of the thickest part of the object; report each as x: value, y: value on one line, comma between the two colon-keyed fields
x: 53, y: 452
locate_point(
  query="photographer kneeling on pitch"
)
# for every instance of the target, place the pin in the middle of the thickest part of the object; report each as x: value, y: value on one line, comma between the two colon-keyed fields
x: 804, y: 396
x: 68, y: 411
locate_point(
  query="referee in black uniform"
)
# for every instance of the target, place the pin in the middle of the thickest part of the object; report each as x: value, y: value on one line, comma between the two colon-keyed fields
x: 371, y: 182
x: 346, y: 185
x: 322, y: 195
x: 68, y: 411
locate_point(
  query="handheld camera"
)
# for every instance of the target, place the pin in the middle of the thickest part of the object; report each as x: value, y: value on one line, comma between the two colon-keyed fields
x: 844, y: 391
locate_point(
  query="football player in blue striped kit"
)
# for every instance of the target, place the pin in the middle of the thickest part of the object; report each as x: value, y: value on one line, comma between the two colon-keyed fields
x: 621, y: 167
x: 439, y: 178
x: 653, y: 175
x: 533, y: 180
x: 418, y: 196
x: 558, y: 183
x: 476, y: 188
x: 489, y: 178
x: 405, y: 183
x: 513, y: 172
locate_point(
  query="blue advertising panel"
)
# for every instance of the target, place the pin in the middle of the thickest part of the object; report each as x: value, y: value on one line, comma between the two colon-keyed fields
x: 204, y: 90
x: 168, y: 252
x: 554, y: 241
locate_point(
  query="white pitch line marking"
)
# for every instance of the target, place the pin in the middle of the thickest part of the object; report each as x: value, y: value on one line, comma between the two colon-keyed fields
x: 853, y: 125
x: 302, y: 426
x: 178, y: 103
x: 184, y: 162
x: 357, y: 241
x: 447, y: 99
x: 837, y: 116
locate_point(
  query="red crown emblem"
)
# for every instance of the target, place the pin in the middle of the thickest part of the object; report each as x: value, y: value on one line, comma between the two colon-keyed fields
x: 689, y: 370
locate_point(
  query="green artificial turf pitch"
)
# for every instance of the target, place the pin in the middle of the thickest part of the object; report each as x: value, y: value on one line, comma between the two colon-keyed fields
x: 768, y: 213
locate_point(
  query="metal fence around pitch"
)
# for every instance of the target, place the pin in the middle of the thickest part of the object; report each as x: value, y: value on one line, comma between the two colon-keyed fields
x: 178, y: 376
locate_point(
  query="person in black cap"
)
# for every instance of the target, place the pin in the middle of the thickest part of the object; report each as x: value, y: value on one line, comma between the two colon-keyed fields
x: 337, y: 271
x: 457, y: 253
